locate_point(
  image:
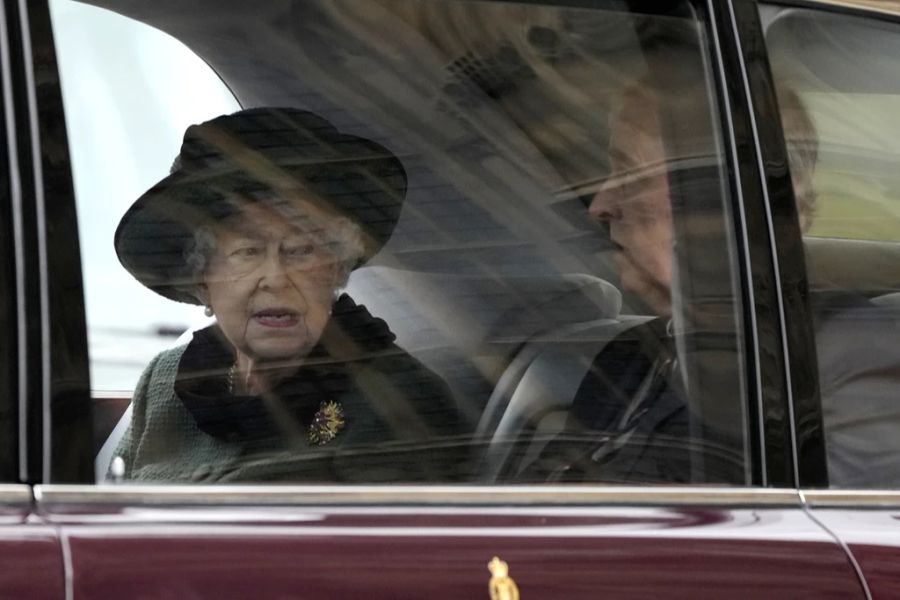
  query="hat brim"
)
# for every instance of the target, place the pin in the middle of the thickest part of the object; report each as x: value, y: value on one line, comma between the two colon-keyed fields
x: 156, y: 233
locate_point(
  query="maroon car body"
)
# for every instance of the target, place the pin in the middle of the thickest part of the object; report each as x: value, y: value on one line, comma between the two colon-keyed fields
x: 438, y: 553
x: 62, y: 536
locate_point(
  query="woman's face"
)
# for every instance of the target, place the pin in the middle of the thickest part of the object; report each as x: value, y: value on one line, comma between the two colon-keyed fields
x: 271, y: 282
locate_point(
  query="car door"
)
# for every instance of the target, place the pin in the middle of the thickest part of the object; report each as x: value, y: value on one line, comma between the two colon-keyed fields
x: 30, y: 548
x: 837, y: 63
x: 495, y: 279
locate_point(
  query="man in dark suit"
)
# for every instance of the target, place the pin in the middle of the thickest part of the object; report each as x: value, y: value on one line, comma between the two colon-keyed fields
x: 636, y: 416
x: 629, y: 421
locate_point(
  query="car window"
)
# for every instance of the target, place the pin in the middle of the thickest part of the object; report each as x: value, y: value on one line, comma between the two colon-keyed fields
x: 836, y: 76
x: 430, y: 242
x: 126, y: 82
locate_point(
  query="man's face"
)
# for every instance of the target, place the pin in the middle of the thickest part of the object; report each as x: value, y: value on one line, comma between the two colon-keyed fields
x: 635, y: 203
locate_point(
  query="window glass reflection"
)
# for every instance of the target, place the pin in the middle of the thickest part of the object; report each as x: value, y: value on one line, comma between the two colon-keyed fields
x: 439, y: 242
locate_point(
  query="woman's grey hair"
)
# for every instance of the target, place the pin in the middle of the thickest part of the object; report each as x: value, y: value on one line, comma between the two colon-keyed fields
x: 344, y: 237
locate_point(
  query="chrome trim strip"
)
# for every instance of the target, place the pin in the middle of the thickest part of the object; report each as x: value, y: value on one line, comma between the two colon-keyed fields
x: 185, y: 495
x: 852, y: 498
x: 68, y: 568
x: 840, y: 541
x: 776, y: 267
x: 15, y: 494
x: 752, y: 327
x: 38, y: 174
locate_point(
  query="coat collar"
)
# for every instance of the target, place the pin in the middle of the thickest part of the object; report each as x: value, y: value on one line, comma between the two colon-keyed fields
x: 351, y: 335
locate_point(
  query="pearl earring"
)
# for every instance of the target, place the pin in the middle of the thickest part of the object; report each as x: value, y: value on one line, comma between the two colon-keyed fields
x: 208, y: 311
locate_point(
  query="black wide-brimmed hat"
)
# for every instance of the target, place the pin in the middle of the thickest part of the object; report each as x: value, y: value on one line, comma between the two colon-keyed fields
x: 259, y: 153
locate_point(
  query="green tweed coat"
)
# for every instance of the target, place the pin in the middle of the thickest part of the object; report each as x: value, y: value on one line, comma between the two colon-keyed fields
x: 400, y: 423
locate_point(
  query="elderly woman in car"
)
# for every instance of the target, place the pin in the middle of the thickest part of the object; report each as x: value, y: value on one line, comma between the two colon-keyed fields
x: 265, y: 214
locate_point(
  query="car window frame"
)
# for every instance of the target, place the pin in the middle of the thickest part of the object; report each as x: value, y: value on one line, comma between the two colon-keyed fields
x: 745, y: 72
x: 768, y: 395
x: 16, y: 497
x: 56, y: 401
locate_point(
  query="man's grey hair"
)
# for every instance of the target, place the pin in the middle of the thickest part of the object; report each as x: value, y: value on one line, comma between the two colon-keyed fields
x: 802, y: 142
x: 689, y: 110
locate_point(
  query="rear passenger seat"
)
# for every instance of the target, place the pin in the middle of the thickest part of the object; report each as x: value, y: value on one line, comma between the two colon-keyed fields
x: 468, y: 329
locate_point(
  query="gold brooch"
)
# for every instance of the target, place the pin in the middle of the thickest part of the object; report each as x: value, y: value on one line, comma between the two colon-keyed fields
x: 326, y: 423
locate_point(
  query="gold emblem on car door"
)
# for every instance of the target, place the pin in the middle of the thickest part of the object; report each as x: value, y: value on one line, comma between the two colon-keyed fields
x: 501, y: 585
